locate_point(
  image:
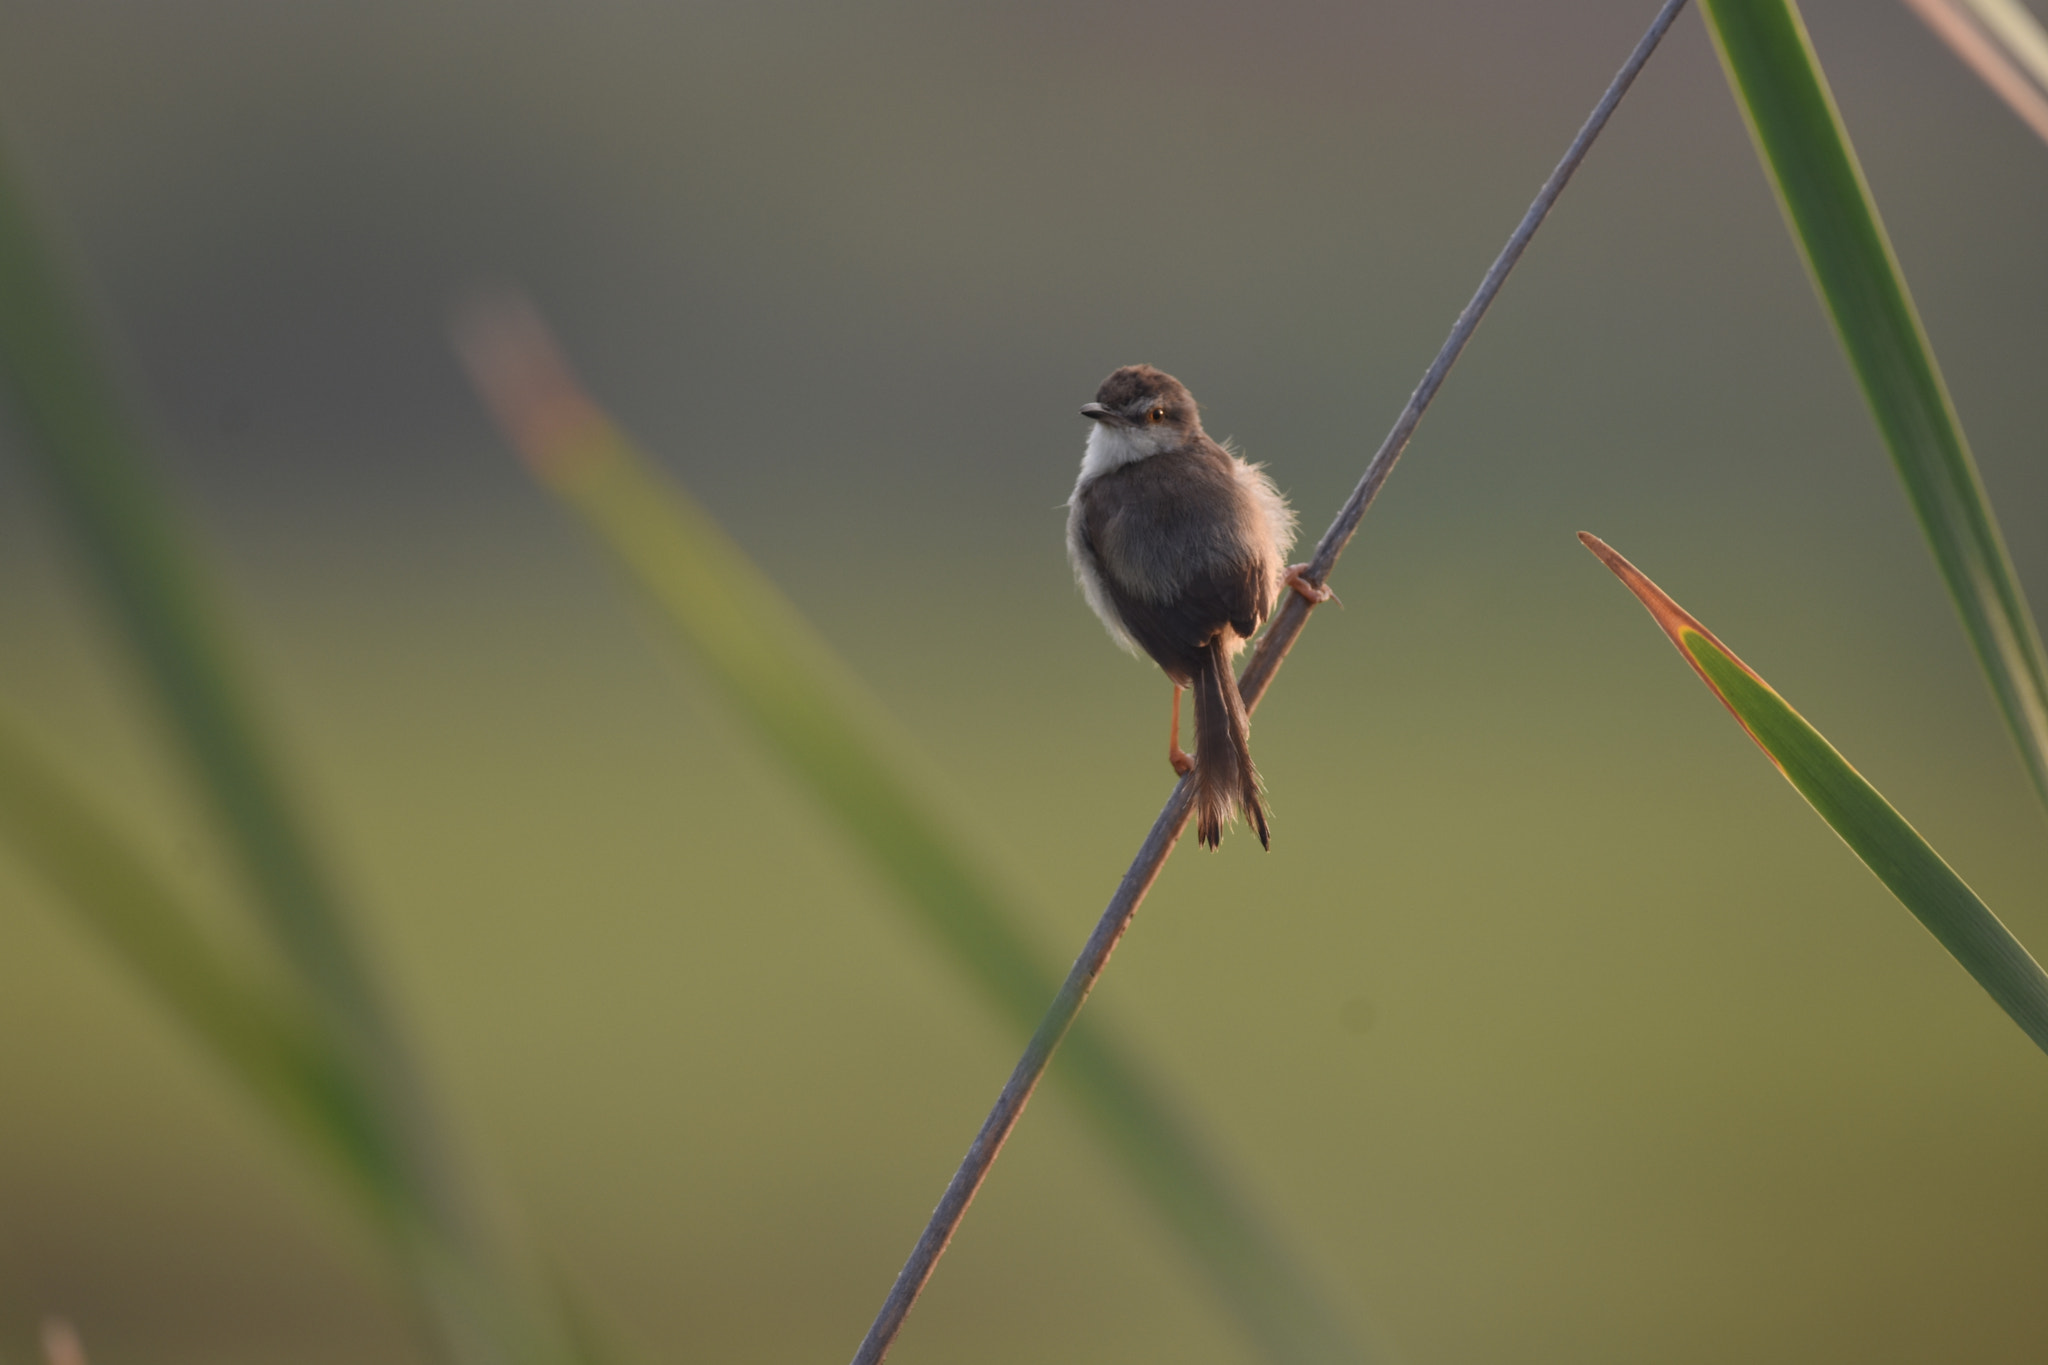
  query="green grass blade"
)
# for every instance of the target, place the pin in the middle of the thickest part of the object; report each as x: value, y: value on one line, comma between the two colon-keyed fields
x: 780, y: 675
x: 1875, y: 832
x: 94, y: 464
x: 273, y: 1048
x: 1792, y: 115
x: 92, y: 461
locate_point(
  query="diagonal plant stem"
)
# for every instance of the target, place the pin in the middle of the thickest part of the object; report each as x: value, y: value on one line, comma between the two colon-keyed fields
x: 1280, y: 635
x: 810, y: 711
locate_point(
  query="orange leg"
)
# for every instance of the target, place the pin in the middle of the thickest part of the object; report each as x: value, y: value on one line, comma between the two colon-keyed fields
x: 1313, y: 593
x: 1182, y: 764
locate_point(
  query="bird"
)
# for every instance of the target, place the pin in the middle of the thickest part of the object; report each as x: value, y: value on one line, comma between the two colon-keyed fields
x: 1181, y: 548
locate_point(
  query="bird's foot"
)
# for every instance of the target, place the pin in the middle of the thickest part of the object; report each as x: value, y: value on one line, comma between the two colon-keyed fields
x: 1313, y: 593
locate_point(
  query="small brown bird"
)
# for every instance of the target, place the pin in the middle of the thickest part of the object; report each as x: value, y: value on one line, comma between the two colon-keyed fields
x: 1181, y: 548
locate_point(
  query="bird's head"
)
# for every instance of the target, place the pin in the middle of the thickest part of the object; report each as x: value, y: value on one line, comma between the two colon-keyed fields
x: 1140, y: 411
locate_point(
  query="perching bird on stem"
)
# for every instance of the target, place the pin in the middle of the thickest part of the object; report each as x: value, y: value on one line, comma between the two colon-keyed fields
x: 1181, y: 548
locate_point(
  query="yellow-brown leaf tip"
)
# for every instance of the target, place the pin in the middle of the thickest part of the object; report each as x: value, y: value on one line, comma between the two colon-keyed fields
x: 1667, y: 613
x: 1676, y: 621
x: 525, y: 382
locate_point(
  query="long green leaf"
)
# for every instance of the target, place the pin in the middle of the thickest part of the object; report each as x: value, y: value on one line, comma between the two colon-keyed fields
x: 269, y: 1044
x: 781, y: 676
x: 1876, y: 833
x: 1792, y: 115
x: 82, y: 443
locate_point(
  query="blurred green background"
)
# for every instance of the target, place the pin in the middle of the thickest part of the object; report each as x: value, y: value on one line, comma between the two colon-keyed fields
x: 1554, y: 1028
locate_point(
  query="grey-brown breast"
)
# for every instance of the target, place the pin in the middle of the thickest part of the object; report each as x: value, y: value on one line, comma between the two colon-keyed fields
x: 1175, y: 541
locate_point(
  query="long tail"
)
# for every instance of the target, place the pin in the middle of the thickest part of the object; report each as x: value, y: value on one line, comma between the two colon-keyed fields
x: 1224, y: 775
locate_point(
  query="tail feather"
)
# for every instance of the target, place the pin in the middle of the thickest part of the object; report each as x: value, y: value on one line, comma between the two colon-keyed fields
x: 1224, y: 776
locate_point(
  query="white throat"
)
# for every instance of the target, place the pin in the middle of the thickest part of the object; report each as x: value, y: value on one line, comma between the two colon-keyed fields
x: 1112, y: 447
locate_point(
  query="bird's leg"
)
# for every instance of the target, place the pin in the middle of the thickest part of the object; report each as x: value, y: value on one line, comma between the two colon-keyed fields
x: 1182, y: 764
x: 1313, y: 593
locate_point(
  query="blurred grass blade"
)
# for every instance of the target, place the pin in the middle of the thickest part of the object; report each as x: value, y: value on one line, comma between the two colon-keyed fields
x: 61, y: 1345
x: 81, y: 443
x: 1999, y: 41
x: 1875, y: 832
x: 2018, y: 32
x: 1792, y: 115
x: 272, y: 1048
x: 778, y: 673
x: 257, y: 1033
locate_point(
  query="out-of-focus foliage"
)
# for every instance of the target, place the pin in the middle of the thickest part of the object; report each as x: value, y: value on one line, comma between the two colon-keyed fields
x: 328, y: 1058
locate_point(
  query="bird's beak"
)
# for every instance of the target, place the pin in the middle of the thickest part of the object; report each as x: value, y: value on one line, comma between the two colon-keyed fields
x: 1095, y: 412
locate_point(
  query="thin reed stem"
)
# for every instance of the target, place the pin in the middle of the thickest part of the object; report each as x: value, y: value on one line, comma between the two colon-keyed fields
x: 1279, y: 637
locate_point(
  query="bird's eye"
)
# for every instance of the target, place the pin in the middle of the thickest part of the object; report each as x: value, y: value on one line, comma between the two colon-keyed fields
x: 1156, y: 415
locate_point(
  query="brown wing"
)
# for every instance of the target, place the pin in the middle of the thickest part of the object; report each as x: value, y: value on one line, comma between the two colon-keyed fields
x: 1163, y: 534
x: 1175, y: 632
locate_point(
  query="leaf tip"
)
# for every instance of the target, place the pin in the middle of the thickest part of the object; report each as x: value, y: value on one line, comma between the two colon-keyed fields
x: 527, y: 385
x: 1667, y: 613
x: 1600, y: 548
x: 1683, y: 628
